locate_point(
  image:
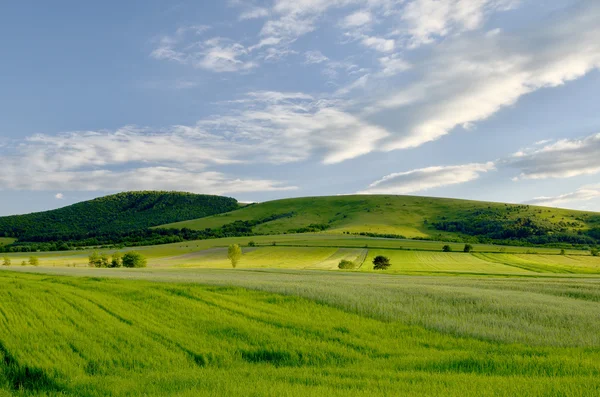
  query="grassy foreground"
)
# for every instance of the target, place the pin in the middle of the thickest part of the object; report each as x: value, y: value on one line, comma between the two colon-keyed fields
x: 296, y: 333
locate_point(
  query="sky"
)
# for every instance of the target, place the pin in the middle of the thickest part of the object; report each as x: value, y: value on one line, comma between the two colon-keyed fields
x: 493, y: 100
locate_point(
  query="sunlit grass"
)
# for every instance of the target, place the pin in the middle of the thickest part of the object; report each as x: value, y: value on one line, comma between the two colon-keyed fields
x: 331, y: 333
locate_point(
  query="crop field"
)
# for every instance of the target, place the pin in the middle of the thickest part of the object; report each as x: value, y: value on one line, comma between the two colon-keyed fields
x: 295, y: 333
x: 325, y: 251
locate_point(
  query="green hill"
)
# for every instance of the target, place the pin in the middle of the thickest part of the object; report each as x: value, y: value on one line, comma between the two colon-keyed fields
x: 117, y: 213
x: 414, y: 217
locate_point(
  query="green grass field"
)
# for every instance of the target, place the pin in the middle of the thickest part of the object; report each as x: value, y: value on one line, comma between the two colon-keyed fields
x: 500, y: 321
x: 325, y: 251
x: 6, y: 240
x: 295, y: 333
x: 403, y: 215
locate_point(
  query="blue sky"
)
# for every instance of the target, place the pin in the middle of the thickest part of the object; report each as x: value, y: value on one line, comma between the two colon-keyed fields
x: 481, y: 99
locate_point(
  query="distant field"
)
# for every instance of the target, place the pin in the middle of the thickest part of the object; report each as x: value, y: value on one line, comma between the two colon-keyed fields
x: 334, y: 334
x: 324, y: 251
x: 402, y: 215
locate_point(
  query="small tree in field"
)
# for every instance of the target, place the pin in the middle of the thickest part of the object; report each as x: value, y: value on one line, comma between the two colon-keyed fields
x: 94, y: 259
x: 234, y: 254
x: 381, y: 262
x: 134, y: 259
x: 6, y: 261
x: 117, y: 260
x: 468, y: 248
x: 447, y: 248
x: 23, y: 263
x: 595, y: 252
x: 34, y: 261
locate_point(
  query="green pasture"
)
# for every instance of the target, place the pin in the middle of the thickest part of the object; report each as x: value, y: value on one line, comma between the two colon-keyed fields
x: 402, y: 215
x: 6, y: 240
x: 295, y: 333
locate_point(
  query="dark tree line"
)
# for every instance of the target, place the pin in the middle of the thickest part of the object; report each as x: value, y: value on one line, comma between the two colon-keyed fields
x: 144, y: 237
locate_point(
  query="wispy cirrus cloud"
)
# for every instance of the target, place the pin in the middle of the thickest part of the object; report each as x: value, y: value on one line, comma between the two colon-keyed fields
x: 562, y: 159
x: 583, y: 194
x: 422, y: 179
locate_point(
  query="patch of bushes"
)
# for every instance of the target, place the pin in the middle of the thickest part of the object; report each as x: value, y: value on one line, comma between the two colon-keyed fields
x: 346, y: 264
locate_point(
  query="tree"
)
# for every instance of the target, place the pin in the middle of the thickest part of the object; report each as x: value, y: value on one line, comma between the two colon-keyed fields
x: 234, y: 254
x: 562, y: 252
x: 381, y: 262
x: 34, y: 261
x: 94, y: 260
x: 6, y: 261
x: 134, y: 259
x: 468, y: 248
x: 117, y: 260
x: 23, y: 263
x: 595, y: 252
x: 251, y: 244
x: 346, y: 264
x: 447, y: 248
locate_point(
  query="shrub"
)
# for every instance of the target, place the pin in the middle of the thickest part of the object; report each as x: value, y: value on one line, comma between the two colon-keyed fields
x: 6, y: 261
x: 468, y: 248
x: 447, y: 248
x: 251, y: 244
x: 104, y: 260
x: 595, y: 252
x: 346, y: 264
x: 117, y: 260
x: 234, y: 254
x: 23, y: 263
x: 381, y: 262
x: 34, y: 261
x: 134, y: 259
x: 562, y: 252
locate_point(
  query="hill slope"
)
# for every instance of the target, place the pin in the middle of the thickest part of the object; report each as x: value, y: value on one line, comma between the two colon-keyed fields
x: 116, y: 213
x: 415, y: 217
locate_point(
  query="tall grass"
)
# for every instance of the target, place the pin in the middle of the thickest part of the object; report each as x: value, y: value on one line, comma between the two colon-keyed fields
x: 101, y: 336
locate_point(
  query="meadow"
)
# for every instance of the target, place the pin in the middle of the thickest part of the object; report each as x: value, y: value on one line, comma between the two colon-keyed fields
x: 289, y: 333
x: 499, y: 321
x: 325, y: 251
x: 408, y: 216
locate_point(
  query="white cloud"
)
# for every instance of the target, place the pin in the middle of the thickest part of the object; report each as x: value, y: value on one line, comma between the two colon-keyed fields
x: 286, y: 128
x: 254, y: 13
x: 312, y: 57
x: 562, y: 159
x: 392, y: 65
x: 59, y: 196
x: 427, y: 178
x: 583, y: 194
x: 357, y: 19
x: 428, y: 19
x: 220, y: 56
x: 469, y: 79
x: 217, y: 54
x: 379, y: 43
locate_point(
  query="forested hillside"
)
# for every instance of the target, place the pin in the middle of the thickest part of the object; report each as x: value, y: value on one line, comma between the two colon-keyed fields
x: 117, y: 213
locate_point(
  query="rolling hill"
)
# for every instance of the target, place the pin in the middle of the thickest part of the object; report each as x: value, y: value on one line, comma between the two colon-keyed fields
x: 115, y: 213
x: 413, y: 217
